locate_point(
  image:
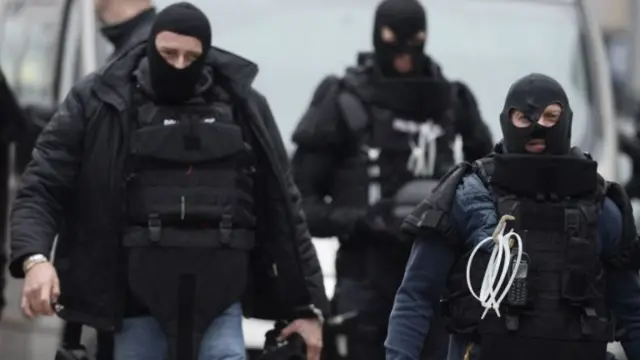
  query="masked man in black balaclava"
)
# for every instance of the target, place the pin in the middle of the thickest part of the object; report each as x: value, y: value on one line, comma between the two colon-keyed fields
x: 165, y: 178
x: 536, y: 97
x: 566, y: 265
x: 399, y: 36
x: 370, y: 145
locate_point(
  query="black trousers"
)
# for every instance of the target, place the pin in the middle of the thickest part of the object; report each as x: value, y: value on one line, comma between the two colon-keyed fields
x: 72, y: 334
x: 365, y: 335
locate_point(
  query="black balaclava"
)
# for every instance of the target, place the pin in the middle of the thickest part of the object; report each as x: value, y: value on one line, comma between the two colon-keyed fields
x: 171, y: 85
x: 531, y: 95
x: 405, y: 18
x: 118, y: 34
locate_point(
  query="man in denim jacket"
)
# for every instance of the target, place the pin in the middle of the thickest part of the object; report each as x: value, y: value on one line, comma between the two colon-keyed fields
x: 582, y: 288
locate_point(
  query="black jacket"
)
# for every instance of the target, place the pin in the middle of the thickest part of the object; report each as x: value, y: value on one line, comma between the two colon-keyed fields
x: 325, y: 143
x: 12, y: 125
x: 74, y: 186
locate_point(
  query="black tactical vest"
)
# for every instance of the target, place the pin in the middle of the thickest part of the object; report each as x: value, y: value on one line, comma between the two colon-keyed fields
x: 190, y: 216
x: 383, y: 143
x: 564, y: 314
x: 192, y: 174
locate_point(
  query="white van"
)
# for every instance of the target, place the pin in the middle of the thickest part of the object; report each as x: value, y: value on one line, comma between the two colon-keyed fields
x: 47, y: 45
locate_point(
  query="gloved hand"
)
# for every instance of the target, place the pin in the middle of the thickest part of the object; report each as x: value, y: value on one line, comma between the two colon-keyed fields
x: 377, y: 223
x: 292, y: 348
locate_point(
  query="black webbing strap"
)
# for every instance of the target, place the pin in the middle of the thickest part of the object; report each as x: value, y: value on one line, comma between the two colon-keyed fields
x: 186, y: 299
x: 71, y: 336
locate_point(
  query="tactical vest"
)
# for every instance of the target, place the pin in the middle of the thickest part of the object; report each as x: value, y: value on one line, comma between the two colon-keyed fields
x: 564, y: 315
x: 190, y: 216
x: 192, y: 173
x: 388, y: 151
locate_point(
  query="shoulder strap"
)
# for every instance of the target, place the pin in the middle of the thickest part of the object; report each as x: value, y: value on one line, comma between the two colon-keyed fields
x: 318, y: 126
x: 484, y: 169
x: 353, y: 112
x: 352, y: 109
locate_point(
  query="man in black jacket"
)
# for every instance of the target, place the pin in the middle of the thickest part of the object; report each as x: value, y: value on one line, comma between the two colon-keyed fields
x: 123, y: 20
x: 368, y: 139
x: 12, y: 124
x: 166, y: 180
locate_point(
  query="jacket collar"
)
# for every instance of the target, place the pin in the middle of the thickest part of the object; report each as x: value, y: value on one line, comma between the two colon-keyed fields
x: 114, y: 81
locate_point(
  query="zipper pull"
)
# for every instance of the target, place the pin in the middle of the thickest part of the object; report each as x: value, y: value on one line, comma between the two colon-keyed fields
x: 183, y: 208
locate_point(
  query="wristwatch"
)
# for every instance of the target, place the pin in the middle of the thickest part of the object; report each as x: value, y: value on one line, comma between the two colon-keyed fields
x: 32, y: 261
x: 309, y: 312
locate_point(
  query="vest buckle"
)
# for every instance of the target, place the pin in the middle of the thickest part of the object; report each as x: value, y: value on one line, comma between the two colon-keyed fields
x: 226, y: 226
x: 589, y: 315
x: 154, y: 224
x: 572, y: 221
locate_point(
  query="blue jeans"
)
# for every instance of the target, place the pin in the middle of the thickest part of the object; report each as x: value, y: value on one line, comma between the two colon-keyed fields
x: 142, y: 338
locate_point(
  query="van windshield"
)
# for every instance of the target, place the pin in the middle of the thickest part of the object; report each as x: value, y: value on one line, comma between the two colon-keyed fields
x: 28, y: 48
x: 487, y: 44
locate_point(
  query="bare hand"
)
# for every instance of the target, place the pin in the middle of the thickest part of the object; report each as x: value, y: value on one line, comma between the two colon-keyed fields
x: 41, y: 288
x: 311, y: 332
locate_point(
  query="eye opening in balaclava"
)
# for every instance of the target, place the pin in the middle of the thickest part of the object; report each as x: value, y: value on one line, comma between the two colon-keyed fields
x: 170, y: 84
x: 399, y: 22
x: 531, y: 95
x: 551, y: 116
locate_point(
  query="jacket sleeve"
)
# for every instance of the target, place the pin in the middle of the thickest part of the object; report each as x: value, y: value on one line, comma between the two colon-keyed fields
x: 309, y: 258
x: 476, y: 136
x: 623, y: 286
x: 473, y: 215
x: 47, y: 182
x: 320, y: 138
x: 418, y: 297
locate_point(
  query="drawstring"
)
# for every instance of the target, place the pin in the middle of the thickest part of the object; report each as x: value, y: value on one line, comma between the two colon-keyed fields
x: 418, y: 163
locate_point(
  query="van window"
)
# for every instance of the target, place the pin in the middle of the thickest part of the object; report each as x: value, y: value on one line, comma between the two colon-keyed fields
x: 28, y: 48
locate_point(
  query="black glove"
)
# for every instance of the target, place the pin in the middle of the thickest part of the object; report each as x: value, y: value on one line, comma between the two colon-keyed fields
x: 377, y: 223
x: 292, y: 348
